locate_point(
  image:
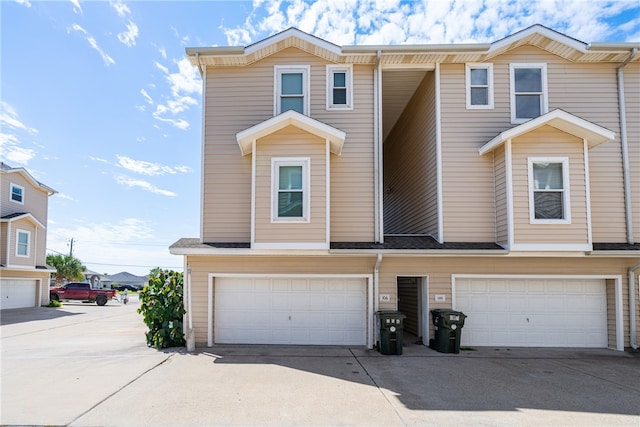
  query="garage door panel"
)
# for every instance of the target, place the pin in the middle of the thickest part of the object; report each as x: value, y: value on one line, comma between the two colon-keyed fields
x: 291, y: 311
x: 540, y: 312
x: 17, y: 293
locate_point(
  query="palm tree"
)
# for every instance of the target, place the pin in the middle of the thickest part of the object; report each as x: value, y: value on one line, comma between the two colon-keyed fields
x: 67, y: 267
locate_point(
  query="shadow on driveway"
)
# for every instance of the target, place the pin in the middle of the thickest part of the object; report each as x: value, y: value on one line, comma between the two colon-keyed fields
x: 21, y: 315
x: 558, y: 380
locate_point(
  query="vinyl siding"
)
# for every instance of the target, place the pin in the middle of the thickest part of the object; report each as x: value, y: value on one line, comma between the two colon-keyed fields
x: 410, y: 167
x: 588, y: 91
x: 291, y: 142
x: 201, y: 266
x: 632, y: 105
x: 500, y: 171
x: 26, y: 225
x: 35, y: 199
x: 549, y: 142
x: 439, y: 271
x: 237, y: 98
x: 3, y: 243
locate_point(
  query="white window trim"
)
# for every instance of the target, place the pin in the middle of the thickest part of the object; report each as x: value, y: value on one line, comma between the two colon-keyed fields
x: 348, y: 70
x: 28, y: 233
x: 306, y: 88
x: 544, y: 104
x: 489, y: 68
x: 566, y: 199
x: 305, y: 162
x: 11, y: 187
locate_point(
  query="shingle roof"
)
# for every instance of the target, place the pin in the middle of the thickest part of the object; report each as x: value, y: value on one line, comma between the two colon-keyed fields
x: 416, y: 243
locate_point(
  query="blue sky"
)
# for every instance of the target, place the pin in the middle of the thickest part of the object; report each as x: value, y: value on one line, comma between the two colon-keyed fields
x: 98, y: 100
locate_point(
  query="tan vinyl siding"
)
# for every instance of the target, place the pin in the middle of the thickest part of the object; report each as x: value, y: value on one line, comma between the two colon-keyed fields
x: 240, y: 97
x: 500, y: 171
x: 587, y: 90
x: 632, y: 105
x: 549, y: 142
x: 410, y: 168
x: 3, y: 243
x: 291, y: 143
x: 201, y: 266
x: 25, y: 225
x: 439, y: 271
x: 35, y: 199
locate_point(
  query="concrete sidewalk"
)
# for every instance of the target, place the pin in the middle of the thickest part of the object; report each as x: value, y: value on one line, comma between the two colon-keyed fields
x: 59, y: 370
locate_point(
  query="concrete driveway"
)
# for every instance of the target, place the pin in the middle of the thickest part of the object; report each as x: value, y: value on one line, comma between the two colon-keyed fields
x: 84, y: 365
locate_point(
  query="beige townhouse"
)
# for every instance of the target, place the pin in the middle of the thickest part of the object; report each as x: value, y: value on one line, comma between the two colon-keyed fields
x: 24, y: 274
x: 498, y: 179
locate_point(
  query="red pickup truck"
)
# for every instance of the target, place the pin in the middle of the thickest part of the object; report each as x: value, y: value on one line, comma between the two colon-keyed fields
x: 81, y: 291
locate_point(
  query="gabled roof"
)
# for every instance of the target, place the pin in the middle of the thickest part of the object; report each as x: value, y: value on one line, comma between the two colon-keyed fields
x: 335, y: 136
x: 559, y: 119
x: 5, y: 168
x: 414, y: 55
x: 20, y: 215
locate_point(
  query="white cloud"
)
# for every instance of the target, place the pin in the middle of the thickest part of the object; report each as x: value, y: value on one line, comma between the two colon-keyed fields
x: 146, y: 96
x: 430, y: 21
x: 149, y: 168
x: 12, y: 129
x: 121, y: 9
x: 147, y: 186
x: 128, y: 38
x: 76, y: 7
x: 163, y: 52
x: 93, y: 43
x: 99, y: 159
x: 184, y: 82
x: 26, y: 3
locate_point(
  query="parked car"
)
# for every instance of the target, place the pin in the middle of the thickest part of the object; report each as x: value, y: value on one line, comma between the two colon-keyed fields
x: 126, y: 287
x: 82, y: 292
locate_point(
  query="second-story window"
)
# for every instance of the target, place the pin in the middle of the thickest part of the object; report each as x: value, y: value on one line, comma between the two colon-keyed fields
x: 549, y: 190
x: 17, y: 193
x: 528, y: 91
x: 479, y: 85
x: 292, y: 89
x: 22, y: 243
x: 339, y: 87
x: 290, y: 189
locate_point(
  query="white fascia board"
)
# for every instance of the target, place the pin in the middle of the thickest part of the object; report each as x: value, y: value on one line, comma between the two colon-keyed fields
x: 335, y: 136
x: 559, y: 119
x: 31, y: 179
x: 543, y: 31
x: 293, y: 32
x: 25, y: 215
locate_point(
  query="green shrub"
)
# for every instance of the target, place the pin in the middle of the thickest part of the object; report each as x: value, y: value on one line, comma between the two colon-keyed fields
x: 162, y: 308
x: 55, y: 303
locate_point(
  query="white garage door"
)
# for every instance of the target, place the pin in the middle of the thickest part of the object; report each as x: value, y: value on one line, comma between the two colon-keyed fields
x: 533, y: 312
x: 17, y: 293
x: 310, y: 311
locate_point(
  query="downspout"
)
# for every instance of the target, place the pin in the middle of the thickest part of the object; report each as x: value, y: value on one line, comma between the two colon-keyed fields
x: 633, y: 342
x: 376, y: 150
x: 191, y: 339
x: 376, y: 298
x: 625, y: 147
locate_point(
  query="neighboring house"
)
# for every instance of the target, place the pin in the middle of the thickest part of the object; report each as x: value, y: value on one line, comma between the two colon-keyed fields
x: 499, y: 179
x: 126, y: 278
x: 24, y: 275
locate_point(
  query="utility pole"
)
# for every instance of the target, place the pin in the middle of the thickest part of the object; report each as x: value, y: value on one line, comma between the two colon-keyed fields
x: 71, y: 247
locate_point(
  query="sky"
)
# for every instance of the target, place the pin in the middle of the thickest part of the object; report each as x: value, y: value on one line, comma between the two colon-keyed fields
x: 99, y: 101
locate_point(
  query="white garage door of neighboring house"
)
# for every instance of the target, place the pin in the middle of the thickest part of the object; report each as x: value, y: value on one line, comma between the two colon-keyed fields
x: 309, y: 311
x: 18, y: 293
x: 532, y: 312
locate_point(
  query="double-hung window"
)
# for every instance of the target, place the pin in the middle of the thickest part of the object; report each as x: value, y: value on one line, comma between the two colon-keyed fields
x: 17, y: 193
x: 290, y: 189
x: 479, y: 85
x: 22, y: 243
x: 339, y: 87
x: 528, y: 91
x: 292, y: 89
x: 549, y: 190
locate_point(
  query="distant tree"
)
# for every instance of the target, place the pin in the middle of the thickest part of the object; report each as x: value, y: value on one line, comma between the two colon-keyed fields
x: 67, y: 267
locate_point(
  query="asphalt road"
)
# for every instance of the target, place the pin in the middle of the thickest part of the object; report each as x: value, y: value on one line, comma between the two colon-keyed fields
x: 84, y: 365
